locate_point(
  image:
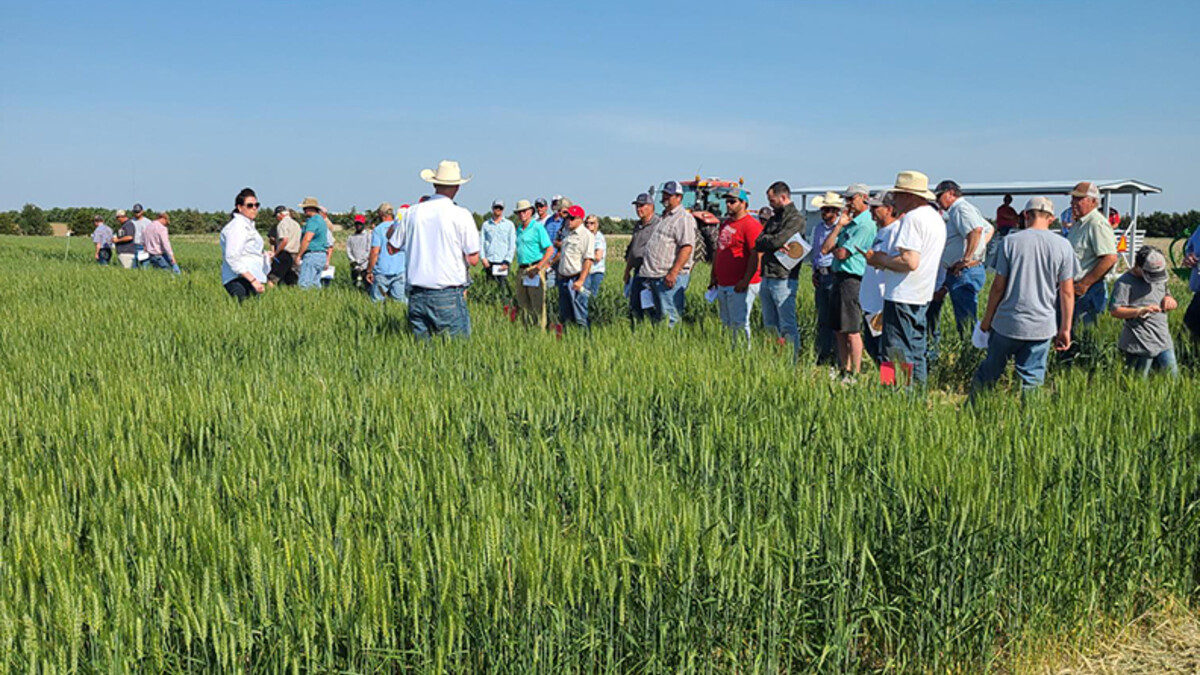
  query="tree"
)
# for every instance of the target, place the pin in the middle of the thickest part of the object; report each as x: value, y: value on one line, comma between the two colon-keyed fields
x: 33, y: 221
x: 8, y: 223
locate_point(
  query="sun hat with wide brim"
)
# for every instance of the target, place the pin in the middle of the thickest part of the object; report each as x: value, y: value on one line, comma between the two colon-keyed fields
x: 913, y: 183
x: 310, y: 203
x: 830, y: 200
x: 522, y: 205
x: 447, y: 173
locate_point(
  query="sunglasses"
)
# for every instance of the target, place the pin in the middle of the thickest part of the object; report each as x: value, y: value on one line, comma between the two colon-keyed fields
x: 251, y: 205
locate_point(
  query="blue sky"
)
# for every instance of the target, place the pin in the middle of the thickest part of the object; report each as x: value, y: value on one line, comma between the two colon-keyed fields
x: 182, y: 104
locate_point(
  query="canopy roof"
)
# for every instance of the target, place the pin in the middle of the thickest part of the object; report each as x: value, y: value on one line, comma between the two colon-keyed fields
x: 1127, y: 186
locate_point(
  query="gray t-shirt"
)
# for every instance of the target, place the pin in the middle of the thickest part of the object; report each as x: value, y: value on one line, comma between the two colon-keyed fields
x: 1035, y: 263
x: 1148, y: 336
x: 961, y: 220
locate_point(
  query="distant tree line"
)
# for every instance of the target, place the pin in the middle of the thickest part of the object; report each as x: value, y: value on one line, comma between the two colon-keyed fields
x: 33, y: 220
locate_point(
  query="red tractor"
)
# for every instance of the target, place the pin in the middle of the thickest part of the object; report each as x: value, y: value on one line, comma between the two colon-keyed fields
x: 705, y: 200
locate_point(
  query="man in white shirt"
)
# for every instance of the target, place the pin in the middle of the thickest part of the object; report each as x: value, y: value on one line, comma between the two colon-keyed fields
x: 441, y: 243
x: 140, y: 221
x: 910, y: 271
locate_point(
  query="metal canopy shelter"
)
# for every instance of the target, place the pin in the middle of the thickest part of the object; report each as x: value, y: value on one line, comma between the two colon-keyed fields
x: 1134, y: 188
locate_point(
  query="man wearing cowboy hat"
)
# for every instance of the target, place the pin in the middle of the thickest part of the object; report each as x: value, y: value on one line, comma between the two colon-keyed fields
x: 832, y: 209
x: 1035, y: 272
x: 910, y: 270
x: 1096, y: 248
x: 314, y: 242
x: 441, y: 244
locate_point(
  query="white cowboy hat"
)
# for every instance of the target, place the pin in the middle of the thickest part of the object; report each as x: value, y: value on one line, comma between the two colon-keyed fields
x: 914, y: 183
x: 831, y: 200
x: 522, y: 205
x: 447, y: 173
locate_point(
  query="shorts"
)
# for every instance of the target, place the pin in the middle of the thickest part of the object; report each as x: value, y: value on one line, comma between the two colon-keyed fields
x: 845, y: 313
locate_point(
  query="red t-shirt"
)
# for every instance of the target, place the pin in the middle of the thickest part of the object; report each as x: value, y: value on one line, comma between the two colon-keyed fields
x: 735, y: 246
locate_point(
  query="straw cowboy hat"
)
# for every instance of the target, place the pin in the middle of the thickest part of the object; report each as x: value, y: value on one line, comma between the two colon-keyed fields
x: 310, y: 203
x: 914, y: 183
x: 447, y: 173
x: 522, y: 205
x: 831, y: 200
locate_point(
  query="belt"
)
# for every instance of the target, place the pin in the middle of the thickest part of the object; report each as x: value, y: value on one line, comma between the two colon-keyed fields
x: 422, y: 289
x: 847, y: 275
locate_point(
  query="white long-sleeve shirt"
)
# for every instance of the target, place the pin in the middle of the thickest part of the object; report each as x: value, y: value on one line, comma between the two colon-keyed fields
x: 241, y: 250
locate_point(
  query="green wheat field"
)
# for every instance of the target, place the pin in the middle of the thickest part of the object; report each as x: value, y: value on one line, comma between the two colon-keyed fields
x: 295, y: 485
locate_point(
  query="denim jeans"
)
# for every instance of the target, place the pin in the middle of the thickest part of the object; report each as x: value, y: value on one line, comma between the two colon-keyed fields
x: 311, y: 267
x: 572, y: 305
x: 824, y: 299
x: 389, y: 286
x: 104, y: 256
x: 735, y: 309
x: 1090, y: 305
x: 1164, y: 361
x: 963, y: 290
x: 593, y: 281
x: 636, y: 311
x: 779, y: 309
x: 1029, y: 357
x: 161, y: 262
x: 438, y: 312
x: 904, y: 337
x: 669, y: 302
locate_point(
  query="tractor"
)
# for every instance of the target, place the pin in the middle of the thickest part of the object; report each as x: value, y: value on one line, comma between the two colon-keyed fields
x: 705, y: 200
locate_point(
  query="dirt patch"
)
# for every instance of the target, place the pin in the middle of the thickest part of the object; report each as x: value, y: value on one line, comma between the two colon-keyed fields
x: 1164, y: 641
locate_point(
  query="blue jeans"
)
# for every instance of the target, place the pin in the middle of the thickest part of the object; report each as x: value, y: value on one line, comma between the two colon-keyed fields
x: 963, y: 290
x: 735, y: 309
x: 779, y: 309
x: 1029, y: 357
x: 1090, y: 305
x: 669, y: 302
x: 311, y: 266
x: 1164, y: 361
x: 438, y: 312
x: 593, y: 281
x: 904, y: 337
x: 388, y: 286
x: 572, y: 305
x: 636, y: 311
x: 824, y: 300
x: 161, y: 262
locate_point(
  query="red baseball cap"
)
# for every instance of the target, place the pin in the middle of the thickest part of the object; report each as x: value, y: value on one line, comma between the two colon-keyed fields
x: 360, y: 218
x: 575, y: 211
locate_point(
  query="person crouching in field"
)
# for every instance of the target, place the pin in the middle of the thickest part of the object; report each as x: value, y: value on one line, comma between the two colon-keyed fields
x: 157, y: 242
x: 1140, y: 298
x: 575, y: 260
x: 735, y: 271
x: 596, y: 276
x: 1035, y: 271
x: 243, y: 265
x: 102, y: 236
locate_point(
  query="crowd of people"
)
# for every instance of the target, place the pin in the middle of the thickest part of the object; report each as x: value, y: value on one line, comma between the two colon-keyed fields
x: 882, y: 266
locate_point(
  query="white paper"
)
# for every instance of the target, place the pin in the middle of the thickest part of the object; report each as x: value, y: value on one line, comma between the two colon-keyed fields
x: 647, y: 298
x: 499, y: 271
x: 710, y: 295
x: 979, y: 338
x: 793, y: 251
x: 328, y: 273
x: 875, y: 324
x: 530, y: 281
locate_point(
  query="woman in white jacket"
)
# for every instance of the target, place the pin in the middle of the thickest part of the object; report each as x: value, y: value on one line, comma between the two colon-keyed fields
x: 243, y: 263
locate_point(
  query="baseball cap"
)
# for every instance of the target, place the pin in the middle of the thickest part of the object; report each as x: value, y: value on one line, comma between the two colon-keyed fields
x: 137, y: 208
x: 737, y: 194
x: 564, y: 203
x: 120, y: 212
x: 575, y: 211
x: 280, y: 209
x: 1086, y: 189
x: 672, y: 188
x: 856, y: 189
x: 556, y: 198
x: 881, y: 198
x: 1039, y: 204
x: 360, y: 219
x: 97, y: 218
x: 498, y: 204
x: 384, y: 208
x: 1153, y: 263
x: 540, y: 201
x: 643, y: 199
x: 947, y: 186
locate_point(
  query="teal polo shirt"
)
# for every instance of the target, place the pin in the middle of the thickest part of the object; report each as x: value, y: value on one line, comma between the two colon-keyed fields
x: 532, y: 242
x: 858, y: 234
x: 320, y: 232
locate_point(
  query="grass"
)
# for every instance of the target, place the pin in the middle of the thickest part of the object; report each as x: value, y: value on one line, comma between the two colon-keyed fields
x: 295, y: 484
